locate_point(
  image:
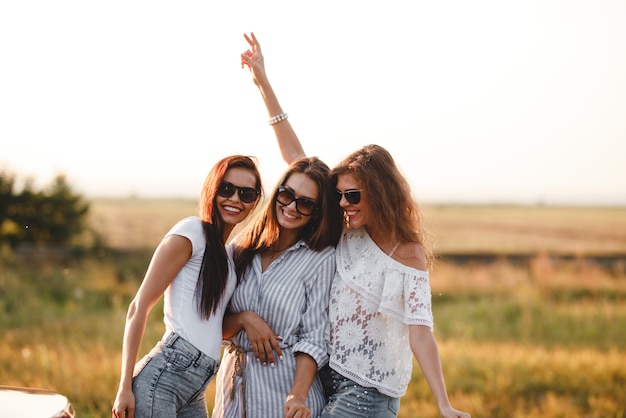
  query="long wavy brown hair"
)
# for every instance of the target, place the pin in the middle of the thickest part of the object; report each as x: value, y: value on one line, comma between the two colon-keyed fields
x: 214, y: 271
x: 396, y: 213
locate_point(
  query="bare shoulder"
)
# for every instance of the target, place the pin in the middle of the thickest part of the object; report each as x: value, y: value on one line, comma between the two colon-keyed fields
x: 411, y: 254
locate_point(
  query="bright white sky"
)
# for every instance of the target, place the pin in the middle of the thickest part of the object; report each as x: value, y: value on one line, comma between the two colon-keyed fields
x: 479, y: 101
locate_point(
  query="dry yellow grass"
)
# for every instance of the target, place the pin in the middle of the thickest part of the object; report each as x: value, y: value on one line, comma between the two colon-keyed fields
x: 527, y: 229
x: 513, y: 380
x: 488, y: 379
x: 137, y: 223
x: 140, y: 223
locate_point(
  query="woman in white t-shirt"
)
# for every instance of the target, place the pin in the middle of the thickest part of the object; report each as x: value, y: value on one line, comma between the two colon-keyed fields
x: 380, y: 304
x: 196, y: 276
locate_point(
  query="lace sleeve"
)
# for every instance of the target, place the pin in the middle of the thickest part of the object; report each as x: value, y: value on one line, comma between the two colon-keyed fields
x: 407, y: 298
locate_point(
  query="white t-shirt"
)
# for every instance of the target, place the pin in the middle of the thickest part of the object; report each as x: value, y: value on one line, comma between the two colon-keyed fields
x: 373, y: 301
x: 181, y: 314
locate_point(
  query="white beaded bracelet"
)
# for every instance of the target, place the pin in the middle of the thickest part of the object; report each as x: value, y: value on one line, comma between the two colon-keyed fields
x: 278, y: 118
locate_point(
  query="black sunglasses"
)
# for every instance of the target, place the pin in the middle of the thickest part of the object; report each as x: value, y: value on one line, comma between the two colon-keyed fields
x: 352, y: 196
x: 246, y: 194
x: 304, y: 205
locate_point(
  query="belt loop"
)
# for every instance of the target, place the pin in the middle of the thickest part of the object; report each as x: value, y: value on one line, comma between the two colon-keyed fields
x: 171, y: 339
x: 196, y: 362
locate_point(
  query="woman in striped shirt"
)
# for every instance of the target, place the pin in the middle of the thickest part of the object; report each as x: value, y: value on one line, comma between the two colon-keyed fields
x: 285, y: 263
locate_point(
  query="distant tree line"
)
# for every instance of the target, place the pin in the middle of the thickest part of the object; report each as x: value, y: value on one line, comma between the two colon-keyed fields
x: 53, y: 216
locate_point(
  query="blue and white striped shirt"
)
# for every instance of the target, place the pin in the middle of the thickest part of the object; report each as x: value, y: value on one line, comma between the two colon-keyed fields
x: 292, y: 296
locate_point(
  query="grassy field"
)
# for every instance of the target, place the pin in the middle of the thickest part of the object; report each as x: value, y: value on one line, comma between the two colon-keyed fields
x: 136, y: 223
x: 544, y: 337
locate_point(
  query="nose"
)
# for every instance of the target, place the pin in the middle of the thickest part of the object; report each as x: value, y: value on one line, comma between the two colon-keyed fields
x: 292, y: 205
x: 235, y: 196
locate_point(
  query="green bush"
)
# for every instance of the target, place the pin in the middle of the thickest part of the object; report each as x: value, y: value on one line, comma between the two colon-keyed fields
x: 54, y: 216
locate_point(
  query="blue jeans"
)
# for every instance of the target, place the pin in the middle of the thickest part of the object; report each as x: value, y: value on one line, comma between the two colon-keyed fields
x: 171, y: 380
x: 348, y: 399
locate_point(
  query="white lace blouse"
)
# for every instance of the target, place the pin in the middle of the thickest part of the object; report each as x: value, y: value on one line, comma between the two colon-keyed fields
x: 374, y: 299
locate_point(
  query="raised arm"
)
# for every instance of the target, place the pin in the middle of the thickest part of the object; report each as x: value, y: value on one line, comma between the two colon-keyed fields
x: 288, y: 141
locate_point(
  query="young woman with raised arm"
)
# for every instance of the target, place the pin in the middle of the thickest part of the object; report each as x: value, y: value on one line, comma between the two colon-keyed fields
x: 380, y: 313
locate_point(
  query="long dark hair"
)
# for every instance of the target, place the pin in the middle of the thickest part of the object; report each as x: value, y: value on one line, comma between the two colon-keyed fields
x: 214, y: 270
x: 322, y: 230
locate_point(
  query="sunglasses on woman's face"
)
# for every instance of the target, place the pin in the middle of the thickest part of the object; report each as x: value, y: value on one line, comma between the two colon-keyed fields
x: 304, y: 205
x: 246, y: 194
x: 352, y: 196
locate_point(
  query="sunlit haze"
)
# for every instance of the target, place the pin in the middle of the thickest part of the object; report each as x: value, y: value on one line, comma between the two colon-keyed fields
x: 479, y: 101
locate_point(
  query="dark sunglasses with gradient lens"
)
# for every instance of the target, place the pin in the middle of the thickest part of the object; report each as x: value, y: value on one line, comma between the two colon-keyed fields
x: 246, y: 194
x: 304, y: 205
x: 352, y: 196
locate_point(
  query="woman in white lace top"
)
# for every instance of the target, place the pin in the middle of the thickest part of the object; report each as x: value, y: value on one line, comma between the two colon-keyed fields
x: 380, y: 305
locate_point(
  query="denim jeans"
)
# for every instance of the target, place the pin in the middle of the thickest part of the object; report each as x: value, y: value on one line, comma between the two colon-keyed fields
x: 171, y: 380
x: 348, y: 399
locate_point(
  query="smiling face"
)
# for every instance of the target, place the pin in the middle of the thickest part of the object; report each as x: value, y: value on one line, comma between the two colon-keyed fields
x: 232, y: 209
x: 300, y: 186
x: 358, y: 214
